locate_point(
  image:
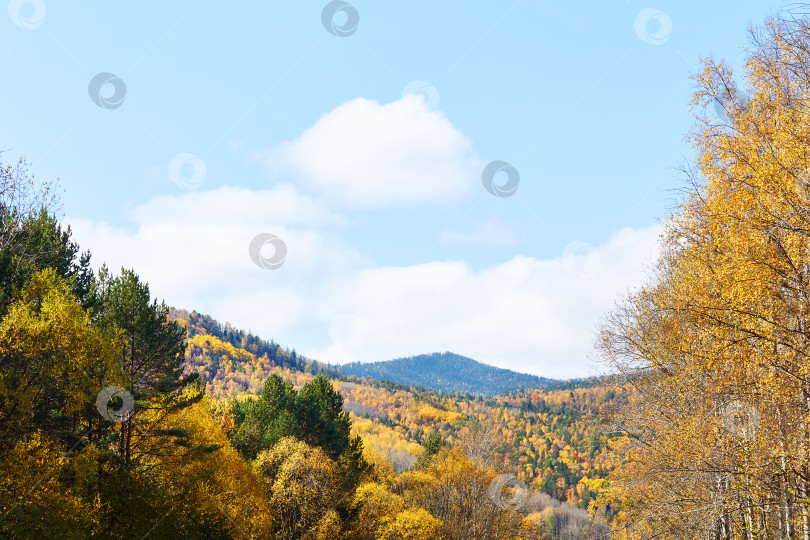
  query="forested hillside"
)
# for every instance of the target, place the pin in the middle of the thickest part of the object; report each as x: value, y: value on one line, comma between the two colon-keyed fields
x: 121, y: 417
x: 232, y: 361
x: 546, y: 438
x: 446, y: 372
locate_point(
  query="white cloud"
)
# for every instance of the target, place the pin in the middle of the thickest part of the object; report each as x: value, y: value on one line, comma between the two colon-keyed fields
x: 193, y: 250
x: 527, y: 314
x: 369, y: 154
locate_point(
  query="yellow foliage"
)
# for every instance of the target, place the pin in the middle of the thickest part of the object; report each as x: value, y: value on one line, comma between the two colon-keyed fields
x: 220, y: 347
x: 35, y: 503
x: 415, y: 524
x: 45, y: 340
x: 716, y: 345
x: 304, y: 484
x: 235, y: 488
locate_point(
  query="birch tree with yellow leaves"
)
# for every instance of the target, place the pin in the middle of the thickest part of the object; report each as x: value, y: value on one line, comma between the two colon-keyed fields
x: 718, y: 433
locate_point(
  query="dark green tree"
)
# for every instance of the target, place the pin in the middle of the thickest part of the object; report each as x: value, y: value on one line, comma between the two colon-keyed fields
x: 40, y: 242
x: 151, y: 361
x: 314, y: 414
x: 432, y: 445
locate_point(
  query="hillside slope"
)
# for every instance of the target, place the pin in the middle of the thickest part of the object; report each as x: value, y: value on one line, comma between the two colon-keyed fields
x: 544, y: 435
x: 447, y: 372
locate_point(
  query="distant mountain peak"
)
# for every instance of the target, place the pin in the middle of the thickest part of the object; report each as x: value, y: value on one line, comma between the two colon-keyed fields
x: 447, y: 372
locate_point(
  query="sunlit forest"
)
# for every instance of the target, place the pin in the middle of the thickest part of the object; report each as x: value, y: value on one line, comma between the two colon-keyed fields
x: 201, y: 430
x: 124, y: 417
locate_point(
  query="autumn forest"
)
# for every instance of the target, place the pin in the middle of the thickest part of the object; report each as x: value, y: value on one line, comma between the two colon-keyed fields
x: 124, y: 417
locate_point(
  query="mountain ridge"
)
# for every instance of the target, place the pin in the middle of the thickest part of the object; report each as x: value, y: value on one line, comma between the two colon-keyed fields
x: 447, y: 372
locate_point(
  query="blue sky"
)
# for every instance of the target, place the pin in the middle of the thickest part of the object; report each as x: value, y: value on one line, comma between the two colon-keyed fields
x: 233, y: 120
